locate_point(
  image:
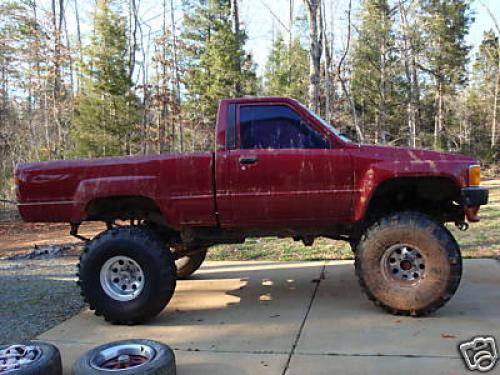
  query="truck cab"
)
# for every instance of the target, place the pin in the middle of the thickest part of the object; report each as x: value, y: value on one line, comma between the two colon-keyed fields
x: 277, y: 165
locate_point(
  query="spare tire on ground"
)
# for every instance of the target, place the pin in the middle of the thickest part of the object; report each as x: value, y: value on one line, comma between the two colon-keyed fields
x: 30, y: 358
x: 129, y: 357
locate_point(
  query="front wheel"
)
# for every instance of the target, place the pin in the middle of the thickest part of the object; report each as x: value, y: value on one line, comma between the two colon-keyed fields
x: 126, y: 275
x: 408, y: 264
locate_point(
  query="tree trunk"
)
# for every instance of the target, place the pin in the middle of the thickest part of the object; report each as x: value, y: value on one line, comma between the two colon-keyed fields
x: 290, y: 40
x: 381, y: 121
x: 70, y: 59
x: 235, y: 18
x: 162, y: 92
x: 412, y: 118
x: 495, y: 105
x: 132, y: 43
x: 146, y: 93
x: 438, y: 120
x: 79, y: 41
x: 327, y: 70
x: 57, y: 20
x: 315, y: 48
x: 177, y: 80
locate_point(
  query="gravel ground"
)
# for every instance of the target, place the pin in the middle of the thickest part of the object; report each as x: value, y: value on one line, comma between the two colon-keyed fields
x: 36, y: 295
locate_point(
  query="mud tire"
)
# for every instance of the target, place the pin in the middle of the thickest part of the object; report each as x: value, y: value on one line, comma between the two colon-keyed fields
x: 437, y: 246
x: 149, y: 251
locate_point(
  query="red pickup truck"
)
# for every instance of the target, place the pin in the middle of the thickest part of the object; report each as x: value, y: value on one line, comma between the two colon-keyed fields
x: 277, y: 170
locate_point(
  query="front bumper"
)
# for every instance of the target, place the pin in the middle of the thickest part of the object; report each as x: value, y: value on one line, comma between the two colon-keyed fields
x: 472, y: 198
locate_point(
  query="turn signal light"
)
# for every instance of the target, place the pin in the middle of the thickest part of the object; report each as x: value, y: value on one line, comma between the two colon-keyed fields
x: 474, y: 175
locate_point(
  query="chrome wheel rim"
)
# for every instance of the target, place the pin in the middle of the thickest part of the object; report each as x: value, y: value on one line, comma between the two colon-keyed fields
x: 122, y: 278
x: 16, y: 357
x: 403, y: 262
x: 122, y: 356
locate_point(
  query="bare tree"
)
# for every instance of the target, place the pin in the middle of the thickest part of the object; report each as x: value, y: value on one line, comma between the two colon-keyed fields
x: 497, y: 79
x: 339, y: 75
x: 411, y: 74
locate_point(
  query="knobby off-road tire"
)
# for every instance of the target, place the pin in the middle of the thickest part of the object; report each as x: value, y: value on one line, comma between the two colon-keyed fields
x: 102, y: 360
x: 190, y: 263
x: 49, y: 362
x: 127, y: 275
x: 408, y: 264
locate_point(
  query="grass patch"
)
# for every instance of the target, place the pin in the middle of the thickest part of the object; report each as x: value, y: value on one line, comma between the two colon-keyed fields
x: 481, y: 240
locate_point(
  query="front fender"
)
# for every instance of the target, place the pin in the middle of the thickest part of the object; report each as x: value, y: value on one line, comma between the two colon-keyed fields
x: 367, y: 180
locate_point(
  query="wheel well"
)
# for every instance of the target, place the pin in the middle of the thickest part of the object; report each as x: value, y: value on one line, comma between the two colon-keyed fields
x: 122, y: 208
x: 438, y: 197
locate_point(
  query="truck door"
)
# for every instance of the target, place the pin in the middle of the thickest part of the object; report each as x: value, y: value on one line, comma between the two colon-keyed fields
x: 283, y: 171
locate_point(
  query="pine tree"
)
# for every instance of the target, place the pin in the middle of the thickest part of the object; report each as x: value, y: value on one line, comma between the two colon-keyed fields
x: 106, y: 119
x: 376, y: 73
x: 287, y: 70
x: 445, y: 24
x: 218, y: 66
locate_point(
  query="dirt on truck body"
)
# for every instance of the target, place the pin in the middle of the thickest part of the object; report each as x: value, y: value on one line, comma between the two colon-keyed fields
x: 279, y: 170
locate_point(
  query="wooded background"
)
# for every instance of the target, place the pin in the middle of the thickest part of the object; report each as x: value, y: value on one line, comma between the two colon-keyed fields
x: 399, y: 73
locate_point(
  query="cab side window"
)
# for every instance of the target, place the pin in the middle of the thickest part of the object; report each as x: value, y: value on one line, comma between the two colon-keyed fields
x: 277, y: 127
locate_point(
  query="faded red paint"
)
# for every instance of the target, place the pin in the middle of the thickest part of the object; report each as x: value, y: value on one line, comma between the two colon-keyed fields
x: 283, y: 188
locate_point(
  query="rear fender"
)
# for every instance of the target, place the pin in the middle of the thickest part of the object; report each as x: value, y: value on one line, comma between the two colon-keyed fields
x: 118, y: 186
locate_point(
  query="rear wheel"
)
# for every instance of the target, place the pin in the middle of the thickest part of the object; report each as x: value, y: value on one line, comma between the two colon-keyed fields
x: 126, y: 275
x: 408, y: 264
x: 189, y: 264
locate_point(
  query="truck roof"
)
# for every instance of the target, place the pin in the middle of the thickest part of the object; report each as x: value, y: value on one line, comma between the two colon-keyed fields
x: 260, y: 99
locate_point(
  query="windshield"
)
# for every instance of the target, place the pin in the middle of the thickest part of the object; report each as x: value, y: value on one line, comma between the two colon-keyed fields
x: 327, y: 125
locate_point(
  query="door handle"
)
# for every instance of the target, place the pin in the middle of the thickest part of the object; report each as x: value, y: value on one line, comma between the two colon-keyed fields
x: 248, y: 159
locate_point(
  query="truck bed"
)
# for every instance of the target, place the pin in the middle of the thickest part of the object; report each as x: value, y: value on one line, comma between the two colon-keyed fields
x: 59, y: 191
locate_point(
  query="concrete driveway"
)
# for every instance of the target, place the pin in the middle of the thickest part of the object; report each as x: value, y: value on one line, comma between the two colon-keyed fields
x: 239, y: 318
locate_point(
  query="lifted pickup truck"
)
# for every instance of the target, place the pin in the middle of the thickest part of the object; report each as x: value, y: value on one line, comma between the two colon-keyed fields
x: 277, y: 170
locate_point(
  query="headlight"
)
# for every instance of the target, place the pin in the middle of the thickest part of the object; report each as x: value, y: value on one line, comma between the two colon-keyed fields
x: 474, y: 175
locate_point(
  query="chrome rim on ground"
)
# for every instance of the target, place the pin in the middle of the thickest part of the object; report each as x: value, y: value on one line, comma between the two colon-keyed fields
x: 122, y: 356
x: 122, y: 278
x: 18, y: 356
x: 404, y: 262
